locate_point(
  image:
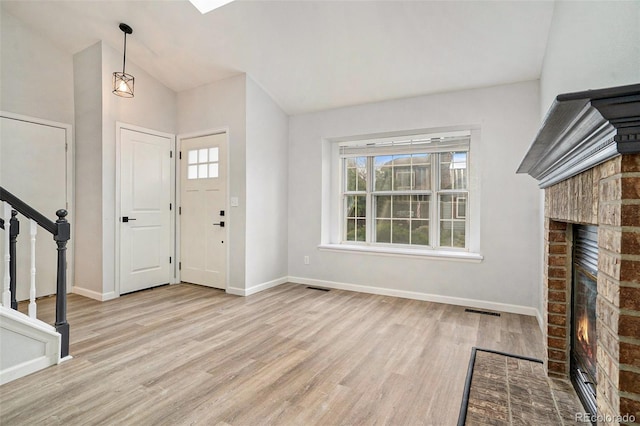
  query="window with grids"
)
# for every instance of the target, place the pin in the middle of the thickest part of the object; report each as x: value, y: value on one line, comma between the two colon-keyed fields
x: 410, y: 191
x: 202, y: 163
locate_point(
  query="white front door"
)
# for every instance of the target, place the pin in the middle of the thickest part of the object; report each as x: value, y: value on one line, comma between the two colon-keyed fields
x: 145, y: 210
x: 204, y: 219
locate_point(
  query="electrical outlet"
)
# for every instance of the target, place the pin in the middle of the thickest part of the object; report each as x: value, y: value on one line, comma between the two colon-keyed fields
x: 306, y: 260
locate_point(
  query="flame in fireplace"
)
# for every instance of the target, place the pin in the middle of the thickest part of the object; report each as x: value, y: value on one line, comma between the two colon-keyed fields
x: 583, y: 330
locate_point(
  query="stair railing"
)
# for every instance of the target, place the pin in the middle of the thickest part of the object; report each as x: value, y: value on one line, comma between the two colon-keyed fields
x: 61, y: 231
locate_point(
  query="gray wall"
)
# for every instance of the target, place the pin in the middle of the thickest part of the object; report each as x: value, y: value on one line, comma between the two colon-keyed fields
x: 591, y: 45
x: 214, y: 107
x: 267, y: 198
x: 508, y: 117
x: 97, y: 111
x: 36, y: 77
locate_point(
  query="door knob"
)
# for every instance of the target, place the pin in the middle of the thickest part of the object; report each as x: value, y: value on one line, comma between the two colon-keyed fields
x: 221, y: 224
x: 126, y: 219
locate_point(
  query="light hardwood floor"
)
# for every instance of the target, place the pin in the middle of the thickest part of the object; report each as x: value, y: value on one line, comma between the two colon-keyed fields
x: 185, y: 354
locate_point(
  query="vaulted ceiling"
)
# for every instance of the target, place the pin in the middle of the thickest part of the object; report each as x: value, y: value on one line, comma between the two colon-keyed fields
x: 312, y: 55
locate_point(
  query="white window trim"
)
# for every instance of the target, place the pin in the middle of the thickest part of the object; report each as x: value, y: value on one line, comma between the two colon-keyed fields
x: 331, y: 225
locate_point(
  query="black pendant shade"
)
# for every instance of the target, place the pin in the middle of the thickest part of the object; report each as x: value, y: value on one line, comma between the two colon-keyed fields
x: 123, y: 82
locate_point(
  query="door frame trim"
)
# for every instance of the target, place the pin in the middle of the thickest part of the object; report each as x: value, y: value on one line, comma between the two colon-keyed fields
x: 178, y: 180
x: 172, y: 138
x: 70, y: 188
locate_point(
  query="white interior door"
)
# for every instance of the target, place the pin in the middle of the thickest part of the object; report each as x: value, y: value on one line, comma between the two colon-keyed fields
x: 204, y: 219
x: 145, y: 210
x: 33, y: 167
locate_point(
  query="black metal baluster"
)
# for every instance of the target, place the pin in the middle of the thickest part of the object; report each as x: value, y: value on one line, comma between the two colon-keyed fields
x: 14, y: 230
x: 61, y: 237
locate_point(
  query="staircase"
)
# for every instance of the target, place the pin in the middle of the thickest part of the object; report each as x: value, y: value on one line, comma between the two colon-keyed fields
x: 26, y: 343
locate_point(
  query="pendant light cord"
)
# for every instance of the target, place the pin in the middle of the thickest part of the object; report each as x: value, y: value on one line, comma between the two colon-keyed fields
x: 124, y: 56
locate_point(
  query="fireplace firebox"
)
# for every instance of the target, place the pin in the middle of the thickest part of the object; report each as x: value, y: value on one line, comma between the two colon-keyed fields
x: 583, y: 315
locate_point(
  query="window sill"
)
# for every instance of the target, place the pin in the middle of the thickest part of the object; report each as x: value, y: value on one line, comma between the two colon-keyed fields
x: 462, y: 256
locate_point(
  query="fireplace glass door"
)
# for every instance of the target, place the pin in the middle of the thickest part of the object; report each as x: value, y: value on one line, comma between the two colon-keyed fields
x: 583, y: 308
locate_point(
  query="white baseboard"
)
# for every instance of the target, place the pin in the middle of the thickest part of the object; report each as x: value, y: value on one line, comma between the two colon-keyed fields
x: 450, y: 300
x: 256, y: 288
x: 25, y: 368
x: 236, y: 291
x: 102, y: 297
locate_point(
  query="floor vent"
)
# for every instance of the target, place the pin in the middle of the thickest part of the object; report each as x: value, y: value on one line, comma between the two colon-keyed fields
x: 475, y: 311
x: 318, y: 288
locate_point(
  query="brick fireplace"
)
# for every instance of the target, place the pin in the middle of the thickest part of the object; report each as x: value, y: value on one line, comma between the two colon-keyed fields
x: 586, y: 156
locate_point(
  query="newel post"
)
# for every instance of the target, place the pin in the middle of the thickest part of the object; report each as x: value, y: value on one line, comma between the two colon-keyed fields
x: 63, y: 234
x: 14, y: 230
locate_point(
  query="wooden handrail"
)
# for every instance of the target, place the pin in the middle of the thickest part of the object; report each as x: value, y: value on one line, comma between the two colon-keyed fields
x: 28, y: 211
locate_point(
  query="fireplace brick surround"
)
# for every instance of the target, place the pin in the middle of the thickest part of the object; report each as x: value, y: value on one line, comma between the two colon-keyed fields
x: 607, y: 195
x: 586, y: 157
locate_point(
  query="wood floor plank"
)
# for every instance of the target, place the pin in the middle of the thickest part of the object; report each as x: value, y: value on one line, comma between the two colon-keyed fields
x: 185, y: 354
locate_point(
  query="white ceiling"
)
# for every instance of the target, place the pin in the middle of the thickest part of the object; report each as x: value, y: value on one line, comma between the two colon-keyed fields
x: 312, y: 55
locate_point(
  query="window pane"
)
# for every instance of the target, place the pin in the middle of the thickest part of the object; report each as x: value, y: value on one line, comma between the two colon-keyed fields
x: 193, y: 172
x: 383, y: 231
x: 453, y: 170
x: 402, y: 160
x: 356, y: 206
x: 213, y: 170
x: 445, y: 233
x: 452, y: 226
x: 361, y: 206
x: 356, y: 178
x: 400, y: 232
x: 361, y: 230
x: 351, y: 230
x: 350, y: 206
x: 351, y: 181
x: 202, y: 171
x: 461, y: 207
x: 361, y: 173
x: 401, y: 207
x: 421, y: 159
x: 362, y: 179
x: 422, y: 176
x: 402, y: 174
x: 420, y: 232
x: 446, y: 207
x: 202, y: 155
x: 213, y: 154
x: 193, y: 157
x: 383, y: 178
x: 383, y: 206
x: 458, y: 234
x: 420, y: 206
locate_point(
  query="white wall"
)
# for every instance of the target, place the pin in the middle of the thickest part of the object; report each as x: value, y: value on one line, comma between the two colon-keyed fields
x: 88, y: 118
x: 267, y: 185
x: 591, y: 45
x: 97, y: 110
x: 217, y: 106
x: 153, y: 107
x: 36, y: 78
x: 510, y: 272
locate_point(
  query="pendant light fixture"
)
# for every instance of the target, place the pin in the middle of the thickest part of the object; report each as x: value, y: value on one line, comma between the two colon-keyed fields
x: 123, y: 82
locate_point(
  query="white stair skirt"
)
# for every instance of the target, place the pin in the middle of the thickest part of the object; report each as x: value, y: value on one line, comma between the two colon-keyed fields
x: 27, y: 345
